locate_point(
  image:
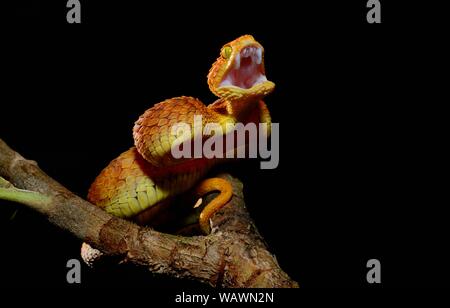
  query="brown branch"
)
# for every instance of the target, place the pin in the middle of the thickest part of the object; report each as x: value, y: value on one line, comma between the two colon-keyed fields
x: 233, y: 255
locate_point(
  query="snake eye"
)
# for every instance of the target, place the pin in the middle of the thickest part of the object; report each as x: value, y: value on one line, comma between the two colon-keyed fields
x: 226, y: 52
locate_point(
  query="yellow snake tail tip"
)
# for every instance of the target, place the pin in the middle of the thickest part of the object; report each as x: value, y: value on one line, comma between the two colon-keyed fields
x: 209, y: 185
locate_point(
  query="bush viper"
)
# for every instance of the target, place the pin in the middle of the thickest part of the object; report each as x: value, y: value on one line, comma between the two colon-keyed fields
x: 139, y: 183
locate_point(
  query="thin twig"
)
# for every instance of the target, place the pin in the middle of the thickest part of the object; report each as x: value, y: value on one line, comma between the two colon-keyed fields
x: 33, y: 199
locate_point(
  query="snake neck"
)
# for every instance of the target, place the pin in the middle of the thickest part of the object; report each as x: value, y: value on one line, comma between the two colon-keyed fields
x: 233, y: 110
x: 241, y: 108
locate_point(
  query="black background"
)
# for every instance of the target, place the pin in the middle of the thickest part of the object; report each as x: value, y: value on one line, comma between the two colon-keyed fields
x: 355, y: 176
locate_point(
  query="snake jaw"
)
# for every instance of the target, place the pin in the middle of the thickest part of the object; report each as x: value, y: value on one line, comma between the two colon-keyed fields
x: 242, y: 74
x: 246, y: 70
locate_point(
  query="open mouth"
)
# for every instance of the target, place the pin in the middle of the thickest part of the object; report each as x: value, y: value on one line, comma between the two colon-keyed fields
x: 247, y: 70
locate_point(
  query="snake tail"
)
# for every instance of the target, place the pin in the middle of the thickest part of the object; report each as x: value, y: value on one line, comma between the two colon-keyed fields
x: 207, y: 186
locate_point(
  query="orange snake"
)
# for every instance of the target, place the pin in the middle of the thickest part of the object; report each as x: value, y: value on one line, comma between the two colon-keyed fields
x: 140, y: 180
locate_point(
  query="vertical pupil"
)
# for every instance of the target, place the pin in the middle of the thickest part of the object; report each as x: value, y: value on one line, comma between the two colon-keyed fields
x: 227, y: 52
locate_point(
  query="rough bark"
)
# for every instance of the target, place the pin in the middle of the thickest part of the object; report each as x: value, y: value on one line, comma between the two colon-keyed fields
x: 233, y: 255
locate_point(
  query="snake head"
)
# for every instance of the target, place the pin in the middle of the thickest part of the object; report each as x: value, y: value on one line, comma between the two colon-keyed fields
x: 239, y: 71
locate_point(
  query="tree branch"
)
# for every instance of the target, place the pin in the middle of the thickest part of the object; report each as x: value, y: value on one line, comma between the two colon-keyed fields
x: 32, y: 199
x: 233, y: 255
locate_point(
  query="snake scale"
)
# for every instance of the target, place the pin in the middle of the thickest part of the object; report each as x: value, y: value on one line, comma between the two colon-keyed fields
x: 139, y: 182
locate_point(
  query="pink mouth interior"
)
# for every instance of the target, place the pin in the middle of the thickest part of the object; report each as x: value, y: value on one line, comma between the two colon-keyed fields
x: 247, y: 70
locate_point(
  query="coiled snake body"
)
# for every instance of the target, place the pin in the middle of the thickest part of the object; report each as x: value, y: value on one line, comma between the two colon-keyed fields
x: 140, y: 180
